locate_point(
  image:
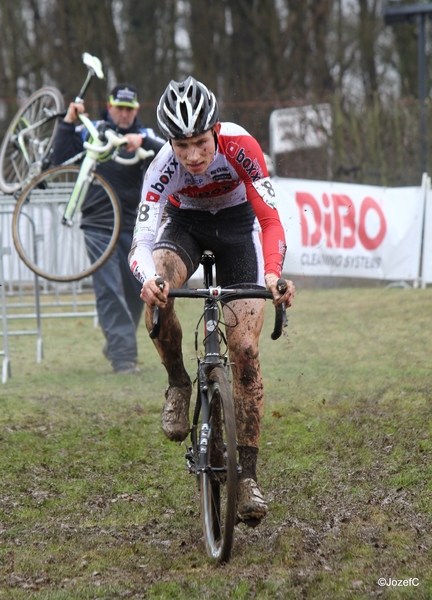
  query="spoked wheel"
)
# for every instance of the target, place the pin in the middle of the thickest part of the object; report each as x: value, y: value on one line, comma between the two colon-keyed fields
x: 62, y: 252
x: 19, y: 153
x: 218, y: 482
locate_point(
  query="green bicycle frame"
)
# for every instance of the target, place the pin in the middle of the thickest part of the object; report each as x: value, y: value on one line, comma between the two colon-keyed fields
x: 84, y: 177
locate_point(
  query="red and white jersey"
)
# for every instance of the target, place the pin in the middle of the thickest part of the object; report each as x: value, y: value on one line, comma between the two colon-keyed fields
x: 237, y: 174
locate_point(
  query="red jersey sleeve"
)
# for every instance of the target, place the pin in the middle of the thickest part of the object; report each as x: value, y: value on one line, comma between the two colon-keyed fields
x: 245, y: 155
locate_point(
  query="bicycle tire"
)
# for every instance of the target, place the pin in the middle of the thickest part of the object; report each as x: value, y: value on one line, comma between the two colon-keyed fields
x: 14, y: 169
x: 59, y: 252
x: 218, y: 489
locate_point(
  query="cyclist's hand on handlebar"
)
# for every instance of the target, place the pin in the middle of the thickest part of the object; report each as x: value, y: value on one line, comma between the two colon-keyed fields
x: 286, y: 296
x: 134, y: 141
x: 152, y: 294
x: 74, y: 109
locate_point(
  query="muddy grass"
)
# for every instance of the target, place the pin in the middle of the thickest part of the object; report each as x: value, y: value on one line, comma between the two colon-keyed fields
x: 96, y: 503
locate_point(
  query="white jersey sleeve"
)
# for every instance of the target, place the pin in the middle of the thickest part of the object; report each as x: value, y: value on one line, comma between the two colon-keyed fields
x: 154, y: 194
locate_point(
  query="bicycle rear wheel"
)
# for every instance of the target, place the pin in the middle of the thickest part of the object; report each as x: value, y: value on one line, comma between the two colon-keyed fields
x: 61, y: 252
x: 218, y: 482
x: 14, y: 165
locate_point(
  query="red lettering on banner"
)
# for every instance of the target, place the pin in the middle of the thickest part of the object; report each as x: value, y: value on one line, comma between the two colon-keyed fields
x: 337, y: 221
x: 371, y: 243
x: 344, y: 219
x: 328, y: 221
x: 304, y: 200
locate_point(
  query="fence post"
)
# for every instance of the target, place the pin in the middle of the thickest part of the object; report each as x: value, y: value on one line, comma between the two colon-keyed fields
x: 6, y: 365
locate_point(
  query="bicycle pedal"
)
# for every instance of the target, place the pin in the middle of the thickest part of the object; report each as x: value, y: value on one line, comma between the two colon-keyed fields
x: 190, y: 461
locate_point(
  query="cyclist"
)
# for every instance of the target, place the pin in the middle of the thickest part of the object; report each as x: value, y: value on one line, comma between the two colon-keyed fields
x: 117, y: 292
x: 213, y: 179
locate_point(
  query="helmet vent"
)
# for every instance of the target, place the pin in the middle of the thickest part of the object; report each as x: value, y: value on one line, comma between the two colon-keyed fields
x: 184, y: 113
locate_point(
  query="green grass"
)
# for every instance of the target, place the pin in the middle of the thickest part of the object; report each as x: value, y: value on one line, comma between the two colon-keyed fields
x: 96, y: 503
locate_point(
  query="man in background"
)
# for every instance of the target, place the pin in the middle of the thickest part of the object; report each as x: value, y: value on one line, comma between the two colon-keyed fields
x: 118, y: 302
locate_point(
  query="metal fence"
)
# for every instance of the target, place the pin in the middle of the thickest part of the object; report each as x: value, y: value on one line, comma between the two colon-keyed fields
x: 28, y: 299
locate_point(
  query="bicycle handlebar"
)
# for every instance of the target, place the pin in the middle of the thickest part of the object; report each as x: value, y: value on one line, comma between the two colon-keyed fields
x: 225, y: 294
x: 114, y: 140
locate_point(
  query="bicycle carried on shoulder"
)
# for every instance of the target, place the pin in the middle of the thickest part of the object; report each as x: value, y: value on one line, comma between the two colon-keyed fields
x: 67, y: 219
x: 25, y: 148
x: 212, y: 455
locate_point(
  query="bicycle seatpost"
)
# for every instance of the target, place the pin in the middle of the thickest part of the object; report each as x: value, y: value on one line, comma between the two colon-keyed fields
x: 80, y: 98
x: 94, y: 69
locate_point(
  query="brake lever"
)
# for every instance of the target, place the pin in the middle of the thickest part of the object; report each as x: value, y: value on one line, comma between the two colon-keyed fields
x: 154, y: 332
x: 281, y: 319
x: 282, y: 288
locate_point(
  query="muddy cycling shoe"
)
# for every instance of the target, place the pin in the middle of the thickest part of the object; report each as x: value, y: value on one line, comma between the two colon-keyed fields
x: 251, y: 506
x: 175, y: 413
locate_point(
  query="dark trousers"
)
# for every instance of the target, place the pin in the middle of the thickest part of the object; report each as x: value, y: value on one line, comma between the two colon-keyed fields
x: 118, y: 304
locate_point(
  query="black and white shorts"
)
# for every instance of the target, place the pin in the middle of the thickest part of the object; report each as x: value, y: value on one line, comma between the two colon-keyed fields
x: 232, y: 234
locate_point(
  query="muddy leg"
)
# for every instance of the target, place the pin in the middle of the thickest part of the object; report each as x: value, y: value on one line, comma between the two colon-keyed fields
x: 248, y: 390
x: 169, y: 342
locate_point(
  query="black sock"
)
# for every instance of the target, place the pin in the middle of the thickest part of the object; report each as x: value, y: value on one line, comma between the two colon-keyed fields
x: 248, y: 456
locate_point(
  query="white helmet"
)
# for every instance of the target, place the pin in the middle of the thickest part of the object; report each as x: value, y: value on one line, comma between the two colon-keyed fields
x: 186, y: 109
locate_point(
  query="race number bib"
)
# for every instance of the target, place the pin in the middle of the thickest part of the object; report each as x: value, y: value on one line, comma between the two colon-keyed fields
x: 147, y: 217
x: 266, y: 191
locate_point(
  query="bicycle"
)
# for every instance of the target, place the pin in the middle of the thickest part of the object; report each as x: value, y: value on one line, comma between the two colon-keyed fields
x: 212, y: 456
x: 25, y: 148
x: 67, y: 220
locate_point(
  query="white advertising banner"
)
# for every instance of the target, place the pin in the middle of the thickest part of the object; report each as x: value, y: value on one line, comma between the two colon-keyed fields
x: 351, y: 230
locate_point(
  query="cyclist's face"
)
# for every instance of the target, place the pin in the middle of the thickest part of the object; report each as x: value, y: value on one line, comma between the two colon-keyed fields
x: 123, y: 116
x: 195, y: 153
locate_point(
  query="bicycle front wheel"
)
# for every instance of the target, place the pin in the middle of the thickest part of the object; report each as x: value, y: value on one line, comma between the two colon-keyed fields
x: 218, y: 481
x: 63, y: 252
x: 38, y: 110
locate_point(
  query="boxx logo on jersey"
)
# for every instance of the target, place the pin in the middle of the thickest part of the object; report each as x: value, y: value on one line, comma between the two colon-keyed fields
x: 152, y: 197
x: 252, y: 167
x: 212, y: 189
x: 165, y: 178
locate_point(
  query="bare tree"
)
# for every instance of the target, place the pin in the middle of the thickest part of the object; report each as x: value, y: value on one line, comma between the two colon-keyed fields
x: 257, y: 55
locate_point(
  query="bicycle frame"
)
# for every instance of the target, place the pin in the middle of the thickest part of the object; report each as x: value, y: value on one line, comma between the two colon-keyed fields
x: 28, y: 129
x: 211, y: 358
